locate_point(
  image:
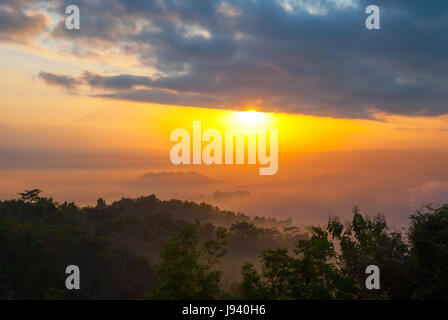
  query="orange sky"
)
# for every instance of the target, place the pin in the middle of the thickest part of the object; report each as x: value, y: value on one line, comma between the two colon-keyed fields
x: 46, y: 106
x: 136, y: 135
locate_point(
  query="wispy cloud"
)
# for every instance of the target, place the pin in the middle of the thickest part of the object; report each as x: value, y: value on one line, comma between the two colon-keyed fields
x: 64, y: 81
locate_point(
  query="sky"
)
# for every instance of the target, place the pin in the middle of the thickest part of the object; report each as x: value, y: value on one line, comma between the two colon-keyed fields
x: 361, y: 114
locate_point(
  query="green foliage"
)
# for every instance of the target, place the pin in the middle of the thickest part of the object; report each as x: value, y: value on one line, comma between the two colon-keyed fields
x: 187, y: 269
x: 429, y: 239
x: 331, y: 264
x: 114, y: 244
x: 309, y: 275
x: 39, y: 239
x: 368, y: 241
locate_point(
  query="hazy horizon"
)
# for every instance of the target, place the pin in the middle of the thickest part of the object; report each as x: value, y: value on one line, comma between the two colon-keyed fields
x: 362, y: 119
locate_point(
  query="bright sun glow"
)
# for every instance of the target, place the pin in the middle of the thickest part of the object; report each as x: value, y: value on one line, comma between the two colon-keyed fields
x: 252, y: 118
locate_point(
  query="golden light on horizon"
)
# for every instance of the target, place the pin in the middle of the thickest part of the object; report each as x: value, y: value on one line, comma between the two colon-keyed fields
x: 252, y: 119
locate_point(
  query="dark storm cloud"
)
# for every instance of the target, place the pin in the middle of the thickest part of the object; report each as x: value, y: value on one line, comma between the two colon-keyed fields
x: 296, y: 56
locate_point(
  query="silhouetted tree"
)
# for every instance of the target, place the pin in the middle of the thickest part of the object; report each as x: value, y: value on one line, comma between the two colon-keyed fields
x: 187, y: 270
x: 113, y: 244
x: 428, y: 235
x: 310, y: 275
x: 30, y: 195
x: 101, y: 203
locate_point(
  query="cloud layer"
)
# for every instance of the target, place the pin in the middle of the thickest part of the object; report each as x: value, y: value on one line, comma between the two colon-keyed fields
x: 299, y: 56
x: 20, y: 21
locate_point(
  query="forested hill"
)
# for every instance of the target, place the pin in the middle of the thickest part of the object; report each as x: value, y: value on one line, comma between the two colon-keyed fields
x: 115, y: 245
x: 189, y: 211
x: 148, y: 248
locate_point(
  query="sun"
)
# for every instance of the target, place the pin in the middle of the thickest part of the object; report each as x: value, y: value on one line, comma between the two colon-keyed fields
x: 251, y: 118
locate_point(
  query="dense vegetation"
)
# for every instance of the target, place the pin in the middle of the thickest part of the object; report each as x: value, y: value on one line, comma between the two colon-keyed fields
x: 153, y: 249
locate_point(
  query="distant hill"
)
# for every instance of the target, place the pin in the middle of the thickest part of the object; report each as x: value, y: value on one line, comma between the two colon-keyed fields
x: 157, y: 178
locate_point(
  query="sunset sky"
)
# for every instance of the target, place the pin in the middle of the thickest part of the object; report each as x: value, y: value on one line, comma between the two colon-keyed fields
x: 361, y: 114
